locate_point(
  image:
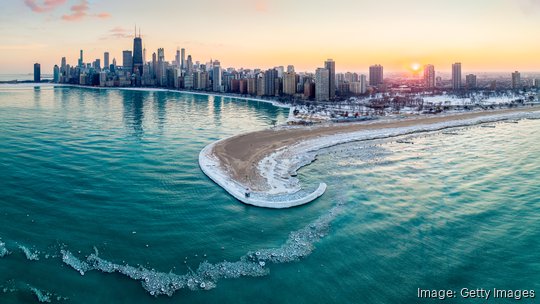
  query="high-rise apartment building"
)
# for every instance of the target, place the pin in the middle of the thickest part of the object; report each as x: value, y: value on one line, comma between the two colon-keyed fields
x: 322, y: 84
x: 106, y: 62
x: 456, y: 76
x: 289, y: 83
x: 127, y: 60
x: 217, y: 77
x: 376, y: 75
x: 56, y: 74
x: 330, y: 65
x: 429, y: 76
x: 270, y: 77
x: 470, y: 82
x: 37, y: 72
x: 516, y: 80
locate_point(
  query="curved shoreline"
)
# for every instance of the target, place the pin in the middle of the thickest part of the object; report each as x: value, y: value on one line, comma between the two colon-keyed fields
x: 143, y: 89
x: 267, y: 161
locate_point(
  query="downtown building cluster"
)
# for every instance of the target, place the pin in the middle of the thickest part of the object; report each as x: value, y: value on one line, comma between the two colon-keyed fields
x: 183, y: 73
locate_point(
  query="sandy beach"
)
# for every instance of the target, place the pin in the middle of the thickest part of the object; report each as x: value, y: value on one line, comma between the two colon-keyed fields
x: 240, y: 156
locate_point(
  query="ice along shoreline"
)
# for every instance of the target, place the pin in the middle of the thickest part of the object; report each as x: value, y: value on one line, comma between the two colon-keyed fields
x: 286, y: 161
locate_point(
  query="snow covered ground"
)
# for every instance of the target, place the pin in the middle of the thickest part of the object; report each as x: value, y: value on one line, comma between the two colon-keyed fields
x: 280, y: 167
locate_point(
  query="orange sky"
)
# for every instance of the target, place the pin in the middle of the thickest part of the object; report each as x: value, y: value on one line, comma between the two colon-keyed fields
x: 485, y: 35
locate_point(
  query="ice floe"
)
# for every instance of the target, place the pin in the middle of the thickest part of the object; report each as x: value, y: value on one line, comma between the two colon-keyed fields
x: 254, y: 264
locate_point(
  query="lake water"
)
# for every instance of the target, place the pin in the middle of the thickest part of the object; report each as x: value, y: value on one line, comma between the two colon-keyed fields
x: 116, y: 171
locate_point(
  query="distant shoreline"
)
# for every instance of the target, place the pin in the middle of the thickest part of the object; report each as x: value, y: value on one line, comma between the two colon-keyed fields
x: 143, y: 89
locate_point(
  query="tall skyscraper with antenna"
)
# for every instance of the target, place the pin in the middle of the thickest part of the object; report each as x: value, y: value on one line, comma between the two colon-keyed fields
x: 137, y: 54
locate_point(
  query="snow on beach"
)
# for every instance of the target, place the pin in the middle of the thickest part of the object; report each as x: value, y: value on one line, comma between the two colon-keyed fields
x: 280, y: 167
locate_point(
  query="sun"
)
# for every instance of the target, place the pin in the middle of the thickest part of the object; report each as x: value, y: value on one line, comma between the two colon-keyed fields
x: 415, y: 67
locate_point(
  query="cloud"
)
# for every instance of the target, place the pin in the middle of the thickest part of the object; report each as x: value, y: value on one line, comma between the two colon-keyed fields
x: 80, y: 11
x: 118, y: 33
x: 261, y: 6
x: 46, y: 6
x: 529, y: 6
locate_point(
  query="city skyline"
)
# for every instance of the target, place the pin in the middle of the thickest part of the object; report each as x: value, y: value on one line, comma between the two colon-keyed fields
x: 486, y: 35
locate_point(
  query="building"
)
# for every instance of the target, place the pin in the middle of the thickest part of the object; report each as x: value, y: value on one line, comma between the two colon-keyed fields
x: 217, y: 77
x: 289, y: 83
x: 56, y: 74
x: 138, y: 63
x: 322, y: 84
x: 127, y: 60
x: 376, y: 75
x: 183, y: 59
x: 470, y: 82
x: 309, y: 89
x: 456, y: 76
x: 160, y: 67
x: 81, y: 62
x: 330, y: 65
x: 537, y: 83
x: 102, y: 78
x: 516, y: 80
x: 358, y: 87
x: 270, y: 77
x: 106, y: 62
x: 429, y: 76
x: 37, y: 72
x: 252, y: 86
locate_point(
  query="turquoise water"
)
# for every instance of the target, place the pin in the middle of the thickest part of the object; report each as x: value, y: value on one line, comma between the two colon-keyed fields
x: 117, y: 171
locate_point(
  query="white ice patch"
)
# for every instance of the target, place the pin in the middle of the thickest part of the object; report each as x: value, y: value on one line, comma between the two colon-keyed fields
x: 299, y: 244
x: 3, y: 250
x: 30, y: 255
x: 42, y: 296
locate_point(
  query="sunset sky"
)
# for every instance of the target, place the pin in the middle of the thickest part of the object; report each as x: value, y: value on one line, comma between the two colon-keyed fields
x: 485, y: 35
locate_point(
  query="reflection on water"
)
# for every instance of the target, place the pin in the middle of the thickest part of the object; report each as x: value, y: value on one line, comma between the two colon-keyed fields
x: 134, y: 112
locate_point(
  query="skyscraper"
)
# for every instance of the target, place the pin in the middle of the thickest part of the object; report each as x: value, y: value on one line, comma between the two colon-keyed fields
x: 429, y: 76
x: 470, y: 81
x: 270, y: 77
x: 289, y: 83
x: 106, y: 62
x: 177, y: 61
x: 56, y: 74
x: 137, y: 55
x: 376, y: 75
x: 37, y: 72
x: 81, y: 62
x: 456, y: 76
x: 322, y: 84
x: 216, y: 76
x: 63, y: 67
x: 189, y: 64
x: 183, y: 58
x: 127, y: 60
x: 290, y: 69
x: 160, y: 73
x: 516, y: 80
x: 330, y: 65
